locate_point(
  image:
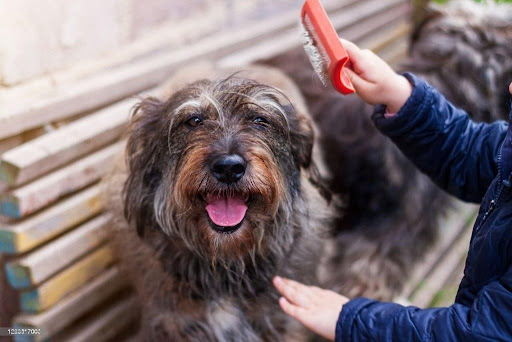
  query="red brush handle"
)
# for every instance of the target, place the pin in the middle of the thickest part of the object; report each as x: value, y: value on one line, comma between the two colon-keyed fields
x: 330, y: 43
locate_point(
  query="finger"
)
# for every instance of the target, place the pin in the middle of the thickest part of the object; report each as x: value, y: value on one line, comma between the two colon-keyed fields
x: 354, y: 54
x: 510, y: 88
x: 304, y: 289
x: 351, y: 48
x: 295, y: 311
x: 359, y: 84
x: 292, y: 293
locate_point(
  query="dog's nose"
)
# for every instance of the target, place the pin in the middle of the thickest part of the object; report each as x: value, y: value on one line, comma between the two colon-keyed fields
x: 229, y: 169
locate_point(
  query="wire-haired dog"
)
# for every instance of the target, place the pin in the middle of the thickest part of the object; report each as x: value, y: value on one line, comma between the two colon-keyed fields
x: 222, y: 192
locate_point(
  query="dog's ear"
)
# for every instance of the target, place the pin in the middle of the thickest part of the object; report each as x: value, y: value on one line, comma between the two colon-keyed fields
x: 303, y: 139
x: 142, y: 158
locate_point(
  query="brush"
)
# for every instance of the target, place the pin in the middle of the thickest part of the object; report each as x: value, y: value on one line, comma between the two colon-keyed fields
x: 324, y: 48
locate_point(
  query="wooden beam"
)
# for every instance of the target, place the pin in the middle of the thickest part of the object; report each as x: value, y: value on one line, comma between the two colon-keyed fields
x: 17, y: 238
x: 30, y: 198
x: 9, y: 143
x: 365, y: 15
x: 105, y: 325
x: 67, y: 281
x: 441, y: 274
x: 36, y: 267
x: 48, y: 152
x: 386, y: 37
x: 74, y: 306
x: 112, y: 85
x: 458, y: 221
x: 9, y: 297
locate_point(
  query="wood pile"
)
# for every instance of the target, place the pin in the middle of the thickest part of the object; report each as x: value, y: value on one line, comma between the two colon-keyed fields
x: 53, y: 153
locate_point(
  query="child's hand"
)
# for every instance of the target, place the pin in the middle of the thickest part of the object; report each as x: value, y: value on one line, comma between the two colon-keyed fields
x: 374, y: 80
x: 316, y: 308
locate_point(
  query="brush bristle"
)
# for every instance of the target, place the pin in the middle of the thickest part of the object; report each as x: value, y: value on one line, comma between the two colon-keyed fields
x: 318, y: 58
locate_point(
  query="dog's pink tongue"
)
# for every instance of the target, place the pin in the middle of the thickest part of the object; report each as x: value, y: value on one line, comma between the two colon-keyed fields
x: 226, y: 211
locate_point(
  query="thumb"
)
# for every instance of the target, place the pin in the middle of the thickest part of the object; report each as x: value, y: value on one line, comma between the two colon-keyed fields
x: 363, y: 88
x: 358, y: 83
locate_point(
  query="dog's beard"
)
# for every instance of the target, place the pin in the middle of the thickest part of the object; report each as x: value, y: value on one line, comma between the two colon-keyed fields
x: 259, y: 235
x: 222, y: 222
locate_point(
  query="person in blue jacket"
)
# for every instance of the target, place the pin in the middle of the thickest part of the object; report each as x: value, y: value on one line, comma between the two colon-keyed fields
x: 472, y: 161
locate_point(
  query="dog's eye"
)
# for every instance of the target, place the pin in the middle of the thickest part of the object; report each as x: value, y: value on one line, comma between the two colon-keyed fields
x: 260, y: 121
x: 194, y: 121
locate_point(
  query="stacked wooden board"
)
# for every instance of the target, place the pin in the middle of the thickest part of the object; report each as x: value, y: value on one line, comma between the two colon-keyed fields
x: 54, y: 152
x: 435, y: 281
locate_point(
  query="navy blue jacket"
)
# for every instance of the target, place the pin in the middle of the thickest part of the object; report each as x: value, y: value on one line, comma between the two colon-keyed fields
x: 472, y: 161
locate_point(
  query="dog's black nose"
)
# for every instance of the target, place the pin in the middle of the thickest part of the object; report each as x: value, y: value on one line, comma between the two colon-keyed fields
x: 229, y: 169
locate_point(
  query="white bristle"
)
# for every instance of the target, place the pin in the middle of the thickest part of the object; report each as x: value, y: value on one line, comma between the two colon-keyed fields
x: 317, y: 56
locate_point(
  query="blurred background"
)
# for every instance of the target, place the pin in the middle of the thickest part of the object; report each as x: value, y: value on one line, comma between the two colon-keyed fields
x: 69, y: 70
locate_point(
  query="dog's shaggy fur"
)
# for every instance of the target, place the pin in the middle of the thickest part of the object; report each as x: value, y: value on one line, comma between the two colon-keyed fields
x: 196, y: 283
x: 464, y: 50
x: 392, y: 210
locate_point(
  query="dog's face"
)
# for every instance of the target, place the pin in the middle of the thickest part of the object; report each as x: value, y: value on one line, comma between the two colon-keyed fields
x: 217, y: 166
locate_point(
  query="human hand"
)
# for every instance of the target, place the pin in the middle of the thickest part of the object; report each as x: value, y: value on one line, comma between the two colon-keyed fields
x: 374, y: 80
x: 317, y: 309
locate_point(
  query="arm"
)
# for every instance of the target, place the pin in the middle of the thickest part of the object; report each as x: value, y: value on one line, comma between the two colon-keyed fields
x: 458, y: 154
x: 488, y: 319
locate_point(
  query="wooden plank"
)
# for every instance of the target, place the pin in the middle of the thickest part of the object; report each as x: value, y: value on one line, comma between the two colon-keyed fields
x: 74, y: 306
x: 395, y: 53
x: 30, y: 198
x: 105, y: 325
x: 67, y: 281
x: 387, y: 36
x: 61, y: 146
x: 36, y: 267
x: 21, y: 237
x: 9, y: 143
x: 114, y: 84
x: 447, y: 266
x: 362, y: 15
x: 9, y: 297
x: 453, y: 227
x: 445, y: 296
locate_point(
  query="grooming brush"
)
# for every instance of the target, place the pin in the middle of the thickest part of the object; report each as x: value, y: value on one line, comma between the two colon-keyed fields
x: 324, y: 48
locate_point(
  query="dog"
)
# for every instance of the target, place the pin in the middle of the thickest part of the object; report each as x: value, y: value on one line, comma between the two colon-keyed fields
x: 219, y: 192
x: 391, y: 211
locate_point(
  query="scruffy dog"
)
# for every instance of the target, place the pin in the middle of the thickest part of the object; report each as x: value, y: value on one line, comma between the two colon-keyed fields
x: 196, y: 282
x: 221, y: 192
x: 391, y: 210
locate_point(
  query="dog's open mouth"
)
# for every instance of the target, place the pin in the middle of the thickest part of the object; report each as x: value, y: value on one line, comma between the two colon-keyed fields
x: 226, y: 212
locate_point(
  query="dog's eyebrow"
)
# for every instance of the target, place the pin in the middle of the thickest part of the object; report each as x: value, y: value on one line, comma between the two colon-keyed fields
x: 263, y: 99
x: 215, y: 104
x: 190, y: 103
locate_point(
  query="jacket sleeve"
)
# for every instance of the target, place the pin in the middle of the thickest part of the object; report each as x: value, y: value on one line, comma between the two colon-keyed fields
x: 488, y: 319
x: 459, y: 155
